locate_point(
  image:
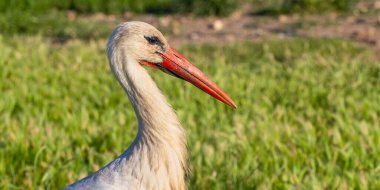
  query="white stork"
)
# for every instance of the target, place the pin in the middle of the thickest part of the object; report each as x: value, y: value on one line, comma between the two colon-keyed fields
x: 157, y: 158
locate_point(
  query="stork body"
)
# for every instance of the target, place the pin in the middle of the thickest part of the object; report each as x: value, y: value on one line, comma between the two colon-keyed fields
x: 157, y: 158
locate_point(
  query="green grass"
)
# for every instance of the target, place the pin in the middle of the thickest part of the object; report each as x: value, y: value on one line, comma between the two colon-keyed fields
x: 200, y: 7
x: 91, y: 6
x: 49, y: 17
x: 308, y: 116
x: 55, y: 24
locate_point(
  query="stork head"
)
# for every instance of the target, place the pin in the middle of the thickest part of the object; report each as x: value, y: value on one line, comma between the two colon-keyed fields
x: 149, y: 47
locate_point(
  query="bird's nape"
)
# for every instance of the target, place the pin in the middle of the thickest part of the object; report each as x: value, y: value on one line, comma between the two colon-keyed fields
x: 177, y: 65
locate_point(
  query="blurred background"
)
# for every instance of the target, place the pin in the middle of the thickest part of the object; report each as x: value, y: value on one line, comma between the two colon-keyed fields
x: 305, y: 75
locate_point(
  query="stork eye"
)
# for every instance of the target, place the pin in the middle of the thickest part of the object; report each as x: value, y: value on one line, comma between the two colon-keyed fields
x: 152, y: 39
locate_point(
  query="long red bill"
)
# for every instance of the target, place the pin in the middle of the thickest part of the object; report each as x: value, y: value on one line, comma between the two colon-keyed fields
x: 180, y: 66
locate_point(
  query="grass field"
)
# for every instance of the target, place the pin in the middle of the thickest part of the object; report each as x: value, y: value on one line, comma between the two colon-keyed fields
x: 51, y: 18
x: 308, y: 116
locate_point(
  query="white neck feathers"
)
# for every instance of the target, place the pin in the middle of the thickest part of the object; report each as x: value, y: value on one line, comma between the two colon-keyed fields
x: 161, y: 140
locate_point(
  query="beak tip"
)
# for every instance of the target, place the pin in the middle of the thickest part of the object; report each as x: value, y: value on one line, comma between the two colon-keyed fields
x: 232, y: 104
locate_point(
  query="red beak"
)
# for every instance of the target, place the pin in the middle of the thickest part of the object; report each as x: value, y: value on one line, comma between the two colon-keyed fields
x: 177, y: 65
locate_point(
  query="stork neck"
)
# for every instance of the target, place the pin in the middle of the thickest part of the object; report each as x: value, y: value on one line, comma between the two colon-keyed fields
x: 158, y: 122
x: 159, y: 128
x: 152, y: 109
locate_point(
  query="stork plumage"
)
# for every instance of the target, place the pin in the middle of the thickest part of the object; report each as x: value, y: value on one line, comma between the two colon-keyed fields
x: 157, y: 158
